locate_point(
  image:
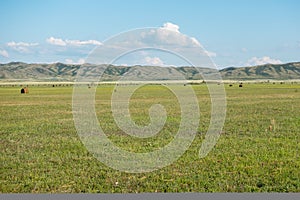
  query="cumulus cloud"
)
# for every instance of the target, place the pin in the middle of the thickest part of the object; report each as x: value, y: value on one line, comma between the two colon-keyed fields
x: 262, y: 61
x: 165, y: 39
x: 195, y: 41
x: 169, y: 34
x: 170, y: 26
x: 155, y: 61
x: 61, y: 42
x: 22, y: 47
x: 56, y: 41
x: 4, y: 53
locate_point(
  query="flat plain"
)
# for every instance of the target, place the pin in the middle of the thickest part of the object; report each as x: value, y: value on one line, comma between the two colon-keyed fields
x: 258, y: 150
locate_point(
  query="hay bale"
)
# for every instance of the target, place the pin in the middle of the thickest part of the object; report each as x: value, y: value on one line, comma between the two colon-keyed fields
x: 24, y: 90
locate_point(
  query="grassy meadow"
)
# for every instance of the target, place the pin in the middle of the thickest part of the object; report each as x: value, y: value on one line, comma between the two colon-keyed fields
x: 42, y: 153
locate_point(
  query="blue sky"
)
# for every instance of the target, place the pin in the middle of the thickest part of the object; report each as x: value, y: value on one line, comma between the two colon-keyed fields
x: 236, y: 33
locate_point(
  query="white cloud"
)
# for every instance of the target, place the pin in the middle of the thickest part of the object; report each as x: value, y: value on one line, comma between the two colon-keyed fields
x: 61, y: 42
x: 4, y: 53
x: 56, y: 41
x: 87, y: 42
x: 155, y: 61
x: 22, y: 47
x: 70, y: 61
x: 169, y: 34
x: 262, y: 61
x: 170, y: 26
x: 195, y: 41
x: 23, y: 44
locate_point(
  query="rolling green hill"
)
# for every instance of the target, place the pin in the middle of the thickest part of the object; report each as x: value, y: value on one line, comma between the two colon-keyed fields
x: 68, y: 72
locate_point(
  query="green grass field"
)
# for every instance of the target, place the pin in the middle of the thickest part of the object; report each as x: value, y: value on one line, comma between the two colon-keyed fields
x: 42, y: 153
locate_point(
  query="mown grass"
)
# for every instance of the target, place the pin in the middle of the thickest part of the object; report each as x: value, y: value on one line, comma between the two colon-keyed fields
x: 41, y: 151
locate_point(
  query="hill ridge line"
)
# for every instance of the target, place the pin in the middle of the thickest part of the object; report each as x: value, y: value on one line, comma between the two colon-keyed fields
x: 68, y: 72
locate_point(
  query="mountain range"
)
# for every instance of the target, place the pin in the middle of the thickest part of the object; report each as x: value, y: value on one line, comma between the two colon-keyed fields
x: 68, y: 72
